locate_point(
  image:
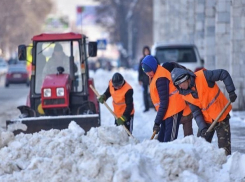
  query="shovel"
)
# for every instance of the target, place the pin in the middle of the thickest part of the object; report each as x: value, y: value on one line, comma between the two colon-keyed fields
x: 96, y: 93
x: 153, y: 135
x: 220, y: 114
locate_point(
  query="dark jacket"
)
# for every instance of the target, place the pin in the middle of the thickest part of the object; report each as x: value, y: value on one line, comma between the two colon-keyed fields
x: 141, y: 74
x: 162, y: 85
x: 171, y: 65
x: 211, y: 76
x: 128, y: 100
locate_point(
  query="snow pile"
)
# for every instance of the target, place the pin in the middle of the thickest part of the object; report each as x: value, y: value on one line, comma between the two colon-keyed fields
x: 18, y: 125
x: 108, y: 154
x: 5, y: 138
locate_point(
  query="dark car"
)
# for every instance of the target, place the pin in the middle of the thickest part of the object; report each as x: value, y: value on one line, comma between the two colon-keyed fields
x: 17, y: 74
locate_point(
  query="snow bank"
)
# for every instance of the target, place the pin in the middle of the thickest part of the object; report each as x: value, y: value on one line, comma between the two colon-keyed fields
x: 108, y: 154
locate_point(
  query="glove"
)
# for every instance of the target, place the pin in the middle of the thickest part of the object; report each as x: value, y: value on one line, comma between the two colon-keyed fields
x: 156, y: 128
x: 121, y: 120
x: 101, y: 99
x: 232, y: 96
x: 203, y: 132
x: 206, y: 135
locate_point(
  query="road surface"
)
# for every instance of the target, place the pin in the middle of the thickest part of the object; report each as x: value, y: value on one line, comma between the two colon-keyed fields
x: 10, y: 98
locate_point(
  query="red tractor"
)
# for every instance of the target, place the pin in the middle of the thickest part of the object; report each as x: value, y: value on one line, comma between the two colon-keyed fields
x: 59, y: 86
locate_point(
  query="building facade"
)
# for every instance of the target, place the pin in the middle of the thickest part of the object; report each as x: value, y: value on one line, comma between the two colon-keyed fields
x: 217, y: 27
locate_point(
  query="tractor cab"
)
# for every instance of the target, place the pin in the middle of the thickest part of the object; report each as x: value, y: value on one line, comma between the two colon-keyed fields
x: 59, y: 87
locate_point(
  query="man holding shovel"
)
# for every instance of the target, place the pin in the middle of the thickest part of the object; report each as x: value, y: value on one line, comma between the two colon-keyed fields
x: 166, y: 99
x: 207, y: 101
x: 122, y: 96
x: 186, y: 119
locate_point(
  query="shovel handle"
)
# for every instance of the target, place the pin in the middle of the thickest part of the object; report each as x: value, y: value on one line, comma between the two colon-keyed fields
x: 153, y: 135
x: 96, y: 93
x: 220, y: 114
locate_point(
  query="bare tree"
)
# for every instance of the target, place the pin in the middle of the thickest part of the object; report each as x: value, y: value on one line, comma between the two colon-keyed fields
x: 129, y: 23
x: 20, y: 20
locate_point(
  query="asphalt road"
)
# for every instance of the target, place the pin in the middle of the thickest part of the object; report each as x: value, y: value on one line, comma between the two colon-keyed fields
x: 10, y: 99
x: 13, y: 93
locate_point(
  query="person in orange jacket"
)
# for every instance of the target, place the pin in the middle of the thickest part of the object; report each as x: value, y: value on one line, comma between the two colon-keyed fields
x: 122, y: 96
x: 186, y: 119
x: 206, y: 101
x: 166, y: 99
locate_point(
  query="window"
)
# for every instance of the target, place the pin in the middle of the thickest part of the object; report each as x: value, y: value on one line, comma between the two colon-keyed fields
x: 180, y: 55
x: 18, y: 69
x: 77, y: 85
x: 50, y: 55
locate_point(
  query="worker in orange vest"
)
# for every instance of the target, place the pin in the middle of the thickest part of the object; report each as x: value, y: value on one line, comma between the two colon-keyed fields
x: 166, y: 99
x: 186, y: 119
x: 122, y: 96
x: 206, y: 101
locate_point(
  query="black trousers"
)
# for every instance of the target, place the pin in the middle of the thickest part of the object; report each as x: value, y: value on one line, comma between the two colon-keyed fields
x: 169, y: 128
x: 145, y: 95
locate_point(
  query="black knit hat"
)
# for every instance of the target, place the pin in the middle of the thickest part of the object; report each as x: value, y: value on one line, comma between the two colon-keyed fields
x: 117, y: 80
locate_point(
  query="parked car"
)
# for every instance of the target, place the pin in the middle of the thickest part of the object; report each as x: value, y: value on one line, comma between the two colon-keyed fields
x: 184, y: 54
x: 17, y: 74
x: 12, y: 61
x: 3, y: 67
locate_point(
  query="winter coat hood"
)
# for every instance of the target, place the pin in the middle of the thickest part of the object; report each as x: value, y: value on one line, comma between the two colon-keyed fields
x: 179, y: 72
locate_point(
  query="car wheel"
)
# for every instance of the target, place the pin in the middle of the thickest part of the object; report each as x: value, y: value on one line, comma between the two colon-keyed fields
x: 27, y: 84
x: 6, y: 84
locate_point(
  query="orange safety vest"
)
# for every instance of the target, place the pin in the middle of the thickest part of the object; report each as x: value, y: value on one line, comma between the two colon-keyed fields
x: 187, y: 110
x: 211, y: 101
x: 176, y: 102
x: 118, y: 97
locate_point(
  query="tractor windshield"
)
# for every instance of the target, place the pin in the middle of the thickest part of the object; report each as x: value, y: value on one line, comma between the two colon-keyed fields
x: 50, y: 55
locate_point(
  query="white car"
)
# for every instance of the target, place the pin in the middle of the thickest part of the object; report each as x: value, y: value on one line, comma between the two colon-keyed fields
x: 3, y: 67
x: 184, y: 54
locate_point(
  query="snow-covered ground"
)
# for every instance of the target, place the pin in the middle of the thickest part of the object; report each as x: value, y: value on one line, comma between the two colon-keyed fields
x: 108, y: 154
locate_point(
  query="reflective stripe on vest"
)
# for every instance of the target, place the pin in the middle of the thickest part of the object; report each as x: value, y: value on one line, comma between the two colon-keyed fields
x: 119, y: 103
x: 172, y: 93
x: 157, y: 104
x: 211, y: 101
x: 118, y: 97
x: 176, y: 102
